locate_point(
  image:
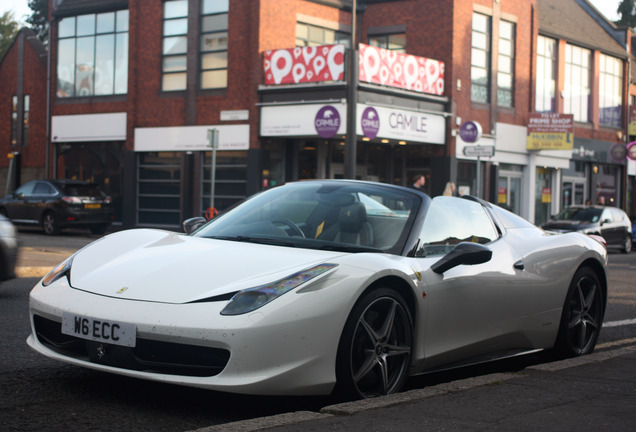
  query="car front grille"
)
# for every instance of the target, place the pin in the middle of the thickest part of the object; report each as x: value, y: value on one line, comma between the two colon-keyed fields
x: 147, y: 356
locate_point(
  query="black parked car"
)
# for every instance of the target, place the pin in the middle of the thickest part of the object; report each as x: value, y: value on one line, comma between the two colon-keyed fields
x: 58, y: 204
x: 609, y: 222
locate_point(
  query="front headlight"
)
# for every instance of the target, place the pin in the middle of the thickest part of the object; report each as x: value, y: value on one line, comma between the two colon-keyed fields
x: 62, y: 270
x: 253, y: 298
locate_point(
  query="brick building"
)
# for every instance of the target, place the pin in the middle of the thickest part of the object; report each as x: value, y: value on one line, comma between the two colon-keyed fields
x: 135, y: 86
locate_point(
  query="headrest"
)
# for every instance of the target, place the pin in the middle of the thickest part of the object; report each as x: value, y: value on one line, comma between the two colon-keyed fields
x: 352, y: 217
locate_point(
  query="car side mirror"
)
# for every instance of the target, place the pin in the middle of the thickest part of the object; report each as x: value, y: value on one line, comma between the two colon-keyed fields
x: 465, y: 253
x: 604, y: 221
x: 19, y: 196
x: 193, y: 224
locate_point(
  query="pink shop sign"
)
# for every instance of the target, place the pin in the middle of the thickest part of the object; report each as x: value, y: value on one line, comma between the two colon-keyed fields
x: 394, y: 69
x: 305, y: 64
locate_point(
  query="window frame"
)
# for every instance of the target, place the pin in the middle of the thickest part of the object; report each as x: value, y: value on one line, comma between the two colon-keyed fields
x: 575, y: 94
x: 613, y: 79
x: 481, y: 35
x: 220, y: 71
x: 545, y: 85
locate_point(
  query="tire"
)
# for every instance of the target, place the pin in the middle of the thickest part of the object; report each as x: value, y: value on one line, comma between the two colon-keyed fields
x: 99, y: 229
x: 49, y: 224
x: 627, y: 245
x: 374, y: 353
x: 582, y: 315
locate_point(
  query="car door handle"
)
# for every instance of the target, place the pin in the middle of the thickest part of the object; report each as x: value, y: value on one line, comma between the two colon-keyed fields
x: 519, y: 265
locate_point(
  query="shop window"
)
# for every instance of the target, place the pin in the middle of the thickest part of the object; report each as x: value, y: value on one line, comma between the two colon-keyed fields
x: 392, y: 42
x: 480, y: 59
x: 610, y: 93
x: 175, y: 45
x: 93, y: 55
x: 505, y: 72
x: 311, y: 35
x: 214, y: 43
x: 577, y: 92
x: 159, y: 188
x: 546, y: 75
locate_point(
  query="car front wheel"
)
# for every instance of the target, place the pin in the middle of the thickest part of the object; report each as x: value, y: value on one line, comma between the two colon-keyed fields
x: 582, y: 315
x: 49, y: 224
x: 374, y: 353
x: 627, y: 245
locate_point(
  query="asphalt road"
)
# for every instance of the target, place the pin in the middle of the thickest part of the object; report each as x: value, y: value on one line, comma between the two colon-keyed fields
x: 39, y: 394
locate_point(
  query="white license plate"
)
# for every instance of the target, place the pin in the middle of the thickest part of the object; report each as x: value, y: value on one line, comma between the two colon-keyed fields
x: 100, y: 330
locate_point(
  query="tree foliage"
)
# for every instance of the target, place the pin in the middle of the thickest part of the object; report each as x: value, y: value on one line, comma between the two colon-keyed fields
x: 39, y: 20
x: 9, y: 28
x: 627, y: 15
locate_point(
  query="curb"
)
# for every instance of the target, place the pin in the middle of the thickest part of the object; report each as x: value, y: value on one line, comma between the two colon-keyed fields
x: 351, y: 408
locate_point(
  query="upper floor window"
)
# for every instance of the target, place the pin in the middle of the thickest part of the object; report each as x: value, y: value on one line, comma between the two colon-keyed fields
x: 577, y: 83
x: 480, y: 59
x: 93, y: 55
x: 26, y: 107
x: 546, y: 75
x: 214, y: 26
x: 311, y: 35
x: 610, y: 91
x: 393, y: 42
x: 175, y: 45
x: 505, y: 72
x: 14, y: 120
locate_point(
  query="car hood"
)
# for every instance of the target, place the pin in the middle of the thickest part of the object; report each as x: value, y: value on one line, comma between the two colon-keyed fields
x: 161, y: 266
x: 567, y: 225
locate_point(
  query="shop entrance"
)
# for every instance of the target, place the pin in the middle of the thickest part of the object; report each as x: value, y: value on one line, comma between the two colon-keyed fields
x: 95, y: 162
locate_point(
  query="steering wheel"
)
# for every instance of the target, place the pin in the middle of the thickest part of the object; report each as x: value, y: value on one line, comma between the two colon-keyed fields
x: 291, y: 225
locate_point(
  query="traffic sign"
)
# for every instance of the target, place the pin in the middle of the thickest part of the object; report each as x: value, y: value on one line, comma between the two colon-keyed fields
x: 479, y: 151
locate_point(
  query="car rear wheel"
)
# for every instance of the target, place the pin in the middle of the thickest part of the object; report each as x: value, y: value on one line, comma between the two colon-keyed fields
x: 582, y: 315
x: 374, y: 353
x: 49, y: 224
x: 627, y: 245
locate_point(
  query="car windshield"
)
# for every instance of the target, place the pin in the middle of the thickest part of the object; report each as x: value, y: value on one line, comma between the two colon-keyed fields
x: 346, y: 216
x: 582, y: 214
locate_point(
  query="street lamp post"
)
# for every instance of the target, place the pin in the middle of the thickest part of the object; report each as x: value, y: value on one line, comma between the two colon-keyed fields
x: 352, y: 100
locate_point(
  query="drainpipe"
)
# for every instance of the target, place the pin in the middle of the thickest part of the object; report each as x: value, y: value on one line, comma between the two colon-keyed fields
x: 48, y: 105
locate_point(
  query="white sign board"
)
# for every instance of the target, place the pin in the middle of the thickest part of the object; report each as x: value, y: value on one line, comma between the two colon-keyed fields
x: 297, y: 120
x: 479, y: 151
x: 191, y: 138
x: 88, y: 127
x: 403, y: 125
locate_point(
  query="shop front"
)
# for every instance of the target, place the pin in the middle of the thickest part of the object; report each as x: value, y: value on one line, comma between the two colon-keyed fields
x: 174, y: 170
x: 527, y: 182
x: 90, y: 147
x: 305, y: 141
x: 597, y: 171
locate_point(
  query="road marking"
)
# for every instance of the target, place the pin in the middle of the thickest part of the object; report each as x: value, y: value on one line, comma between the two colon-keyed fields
x: 619, y: 323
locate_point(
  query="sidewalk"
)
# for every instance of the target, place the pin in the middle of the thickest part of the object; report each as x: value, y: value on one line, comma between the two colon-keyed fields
x: 595, y: 392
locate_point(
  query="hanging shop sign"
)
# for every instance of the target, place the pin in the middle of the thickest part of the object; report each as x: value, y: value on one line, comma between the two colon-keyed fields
x: 305, y: 64
x: 631, y: 150
x: 550, y: 131
x: 470, y: 131
x: 631, y: 128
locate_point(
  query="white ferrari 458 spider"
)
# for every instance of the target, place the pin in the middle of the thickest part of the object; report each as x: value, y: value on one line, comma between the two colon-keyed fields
x: 317, y: 286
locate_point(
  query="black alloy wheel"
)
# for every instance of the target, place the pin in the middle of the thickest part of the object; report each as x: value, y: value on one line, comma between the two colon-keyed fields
x: 374, y: 354
x: 627, y: 244
x: 582, y: 315
x: 49, y: 223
